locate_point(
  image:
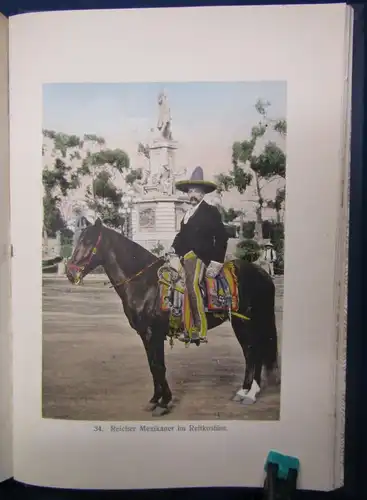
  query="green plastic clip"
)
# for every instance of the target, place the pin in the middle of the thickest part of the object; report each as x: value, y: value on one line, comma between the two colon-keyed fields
x: 284, y: 463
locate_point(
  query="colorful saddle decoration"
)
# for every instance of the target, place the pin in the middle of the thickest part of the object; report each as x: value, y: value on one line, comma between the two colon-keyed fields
x: 220, y: 295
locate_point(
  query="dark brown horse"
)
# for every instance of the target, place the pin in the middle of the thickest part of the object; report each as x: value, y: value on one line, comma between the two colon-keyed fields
x: 132, y: 271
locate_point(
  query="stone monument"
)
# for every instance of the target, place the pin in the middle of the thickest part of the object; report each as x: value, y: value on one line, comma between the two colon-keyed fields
x: 157, y: 210
x: 80, y: 223
x: 51, y: 247
x: 45, y: 252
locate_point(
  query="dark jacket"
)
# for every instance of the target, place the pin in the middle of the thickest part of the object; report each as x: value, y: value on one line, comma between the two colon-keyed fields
x: 204, y: 233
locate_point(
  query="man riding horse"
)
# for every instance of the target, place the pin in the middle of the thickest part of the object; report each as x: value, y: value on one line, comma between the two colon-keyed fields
x: 201, y: 245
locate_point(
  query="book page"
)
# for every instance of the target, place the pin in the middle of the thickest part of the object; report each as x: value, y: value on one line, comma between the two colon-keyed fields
x: 341, y: 289
x: 141, y: 130
x: 6, y: 465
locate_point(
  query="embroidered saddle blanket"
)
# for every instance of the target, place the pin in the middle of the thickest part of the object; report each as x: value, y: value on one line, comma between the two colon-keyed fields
x: 219, y: 294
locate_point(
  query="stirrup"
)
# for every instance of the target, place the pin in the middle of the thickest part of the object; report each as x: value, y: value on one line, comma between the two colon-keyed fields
x: 189, y: 340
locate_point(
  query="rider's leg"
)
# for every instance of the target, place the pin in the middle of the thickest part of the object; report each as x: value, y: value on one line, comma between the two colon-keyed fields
x: 194, y: 273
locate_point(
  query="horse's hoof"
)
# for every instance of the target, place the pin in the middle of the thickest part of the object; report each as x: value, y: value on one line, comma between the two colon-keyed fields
x: 159, y: 411
x: 240, y: 394
x: 246, y: 401
x: 150, y: 406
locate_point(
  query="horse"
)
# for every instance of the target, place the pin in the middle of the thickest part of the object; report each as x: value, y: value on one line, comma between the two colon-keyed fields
x: 133, y: 273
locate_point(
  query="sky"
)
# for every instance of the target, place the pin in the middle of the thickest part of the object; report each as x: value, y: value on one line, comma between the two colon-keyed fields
x: 206, y: 117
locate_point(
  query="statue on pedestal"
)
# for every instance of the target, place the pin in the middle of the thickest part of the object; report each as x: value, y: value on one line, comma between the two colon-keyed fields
x: 159, y: 176
x: 164, y: 118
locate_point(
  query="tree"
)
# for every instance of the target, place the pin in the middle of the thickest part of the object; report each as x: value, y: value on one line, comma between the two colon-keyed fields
x: 52, y: 217
x: 248, y: 250
x: 277, y: 203
x: 281, y: 127
x: 104, y: 198
x: 158, y: 249
x: 115, y: 160
x: 75, y: 159
x: 95, y: 139
x: 133, y: 176
x: 59, y: 178
x: 62, y: 142
x: 258, y: 169
x: 229, y: 215
x: 137, y: 174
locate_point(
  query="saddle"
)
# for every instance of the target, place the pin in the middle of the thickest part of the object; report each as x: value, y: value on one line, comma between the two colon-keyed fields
x: 220, y: 294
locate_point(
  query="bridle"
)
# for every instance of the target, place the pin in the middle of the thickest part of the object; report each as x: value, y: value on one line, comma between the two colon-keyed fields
x: 81, y: 269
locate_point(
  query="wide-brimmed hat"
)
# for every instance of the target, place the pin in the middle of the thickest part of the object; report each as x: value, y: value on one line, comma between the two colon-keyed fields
x: 196, y: 180
x: 266, y: 243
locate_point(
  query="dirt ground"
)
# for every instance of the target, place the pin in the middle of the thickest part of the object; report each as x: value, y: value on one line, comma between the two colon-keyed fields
x: 95, y: 368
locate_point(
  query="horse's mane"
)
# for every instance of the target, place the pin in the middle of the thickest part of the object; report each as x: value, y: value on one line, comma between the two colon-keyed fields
x: 124, y: 247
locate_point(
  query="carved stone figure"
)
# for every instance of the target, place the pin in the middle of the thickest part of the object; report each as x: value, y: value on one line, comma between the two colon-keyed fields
x: 147, y: 219
x: 140, y: 184
x: 164, y: 118
x: 81, y: 223
x: 167, y: 180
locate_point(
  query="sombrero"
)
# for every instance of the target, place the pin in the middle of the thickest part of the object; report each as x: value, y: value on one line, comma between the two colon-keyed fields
x: 196, y: 180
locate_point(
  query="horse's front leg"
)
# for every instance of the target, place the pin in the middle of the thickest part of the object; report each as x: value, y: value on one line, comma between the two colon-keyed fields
x: 153, y: 342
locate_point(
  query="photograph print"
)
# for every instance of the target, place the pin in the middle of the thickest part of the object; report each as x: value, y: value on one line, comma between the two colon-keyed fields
x: 163, y: 250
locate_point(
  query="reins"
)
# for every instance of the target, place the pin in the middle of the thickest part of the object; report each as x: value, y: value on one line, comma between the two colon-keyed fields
x: 139, y: 273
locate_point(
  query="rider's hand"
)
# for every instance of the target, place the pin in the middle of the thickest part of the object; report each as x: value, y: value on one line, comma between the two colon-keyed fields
x: 169, y: 254
x: 213, y: 269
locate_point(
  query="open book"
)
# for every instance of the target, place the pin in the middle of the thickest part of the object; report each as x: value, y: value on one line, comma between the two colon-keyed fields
x: 178, y: 190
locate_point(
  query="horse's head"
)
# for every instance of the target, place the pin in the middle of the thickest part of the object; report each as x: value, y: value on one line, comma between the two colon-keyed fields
x: 87, y: 253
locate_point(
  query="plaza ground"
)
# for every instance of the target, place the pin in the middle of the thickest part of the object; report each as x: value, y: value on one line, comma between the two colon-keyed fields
x: 95, y: 367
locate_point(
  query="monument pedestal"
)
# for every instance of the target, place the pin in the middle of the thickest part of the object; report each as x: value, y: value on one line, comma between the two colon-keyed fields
x: 156, y: 220
x: 156, y: 217
x: 162, y: 153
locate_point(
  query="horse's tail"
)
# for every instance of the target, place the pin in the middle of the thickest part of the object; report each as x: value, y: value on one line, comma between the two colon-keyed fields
x: 263, y: 309
x: 270, y: 356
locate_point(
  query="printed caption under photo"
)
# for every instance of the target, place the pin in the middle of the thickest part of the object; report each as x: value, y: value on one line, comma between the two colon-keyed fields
x: 160, y: 428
